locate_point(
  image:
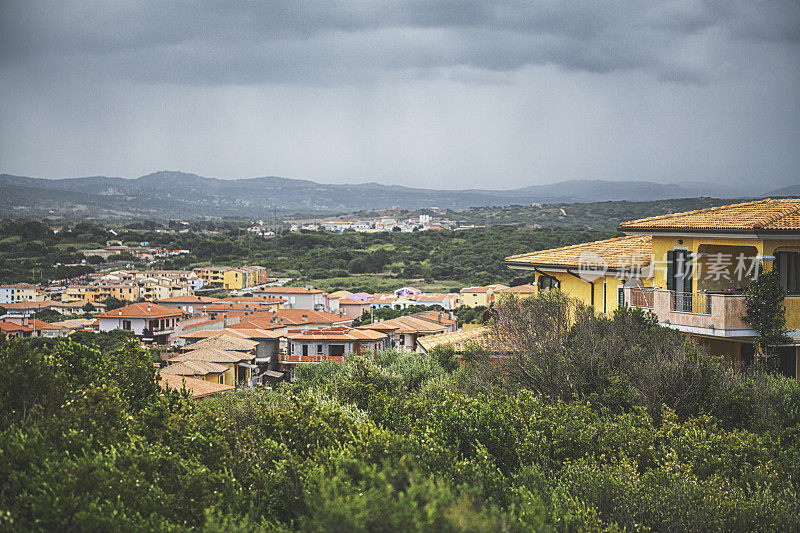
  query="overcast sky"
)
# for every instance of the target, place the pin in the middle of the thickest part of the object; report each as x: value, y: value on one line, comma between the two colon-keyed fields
x: 460, y: 94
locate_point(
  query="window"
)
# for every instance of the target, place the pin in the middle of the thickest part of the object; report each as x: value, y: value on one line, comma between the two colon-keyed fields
x: 337, y: 349
x: 305, y: 350
x: 126, y: 324
x: 548, y: 282
x: 788, y: 265
x: 319, y: 349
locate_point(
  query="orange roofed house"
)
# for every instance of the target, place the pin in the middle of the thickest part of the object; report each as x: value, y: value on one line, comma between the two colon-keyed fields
x: 594, y: 272
x: 331, y: 344
x: 146, y: 320
x: 697, y: 268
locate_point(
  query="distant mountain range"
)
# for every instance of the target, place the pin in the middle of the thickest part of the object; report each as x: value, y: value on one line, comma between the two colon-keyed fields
x: 169, y: 194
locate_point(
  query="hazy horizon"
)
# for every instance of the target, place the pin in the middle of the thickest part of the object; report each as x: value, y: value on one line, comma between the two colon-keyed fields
x: 744, y: 189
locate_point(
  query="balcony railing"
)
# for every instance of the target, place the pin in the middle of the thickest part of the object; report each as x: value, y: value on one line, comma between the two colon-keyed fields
x: 641, y: 297
x: 713, y: 312
x: 691, y: 302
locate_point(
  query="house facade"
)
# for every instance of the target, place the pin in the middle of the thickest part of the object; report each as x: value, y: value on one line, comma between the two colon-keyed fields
x: 481, y: 296
x: 405, y: 332
x: 331, y: 344
x: 593, y: 272
x: 705, y: 260
x: 691, y: 270
x: 20, y: 292
x: 295, y: 297
x: 146, y: 320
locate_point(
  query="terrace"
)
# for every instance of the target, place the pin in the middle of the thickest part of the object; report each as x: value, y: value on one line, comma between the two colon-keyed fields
x: 716, y: 314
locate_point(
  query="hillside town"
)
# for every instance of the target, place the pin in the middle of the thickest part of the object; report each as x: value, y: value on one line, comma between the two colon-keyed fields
x: 193, y: 317
x: 282, y: 326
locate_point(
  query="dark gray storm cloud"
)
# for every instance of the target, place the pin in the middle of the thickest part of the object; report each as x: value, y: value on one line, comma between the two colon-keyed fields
x: 467, y: 93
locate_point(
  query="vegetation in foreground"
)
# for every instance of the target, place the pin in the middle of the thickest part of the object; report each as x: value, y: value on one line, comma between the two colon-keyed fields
x: 587, y: 424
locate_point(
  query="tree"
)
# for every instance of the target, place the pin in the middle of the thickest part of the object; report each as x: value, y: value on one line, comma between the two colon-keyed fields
x: 89, y: 308
x: 49, y: 315
x: 766, y: 313
x: 114, y: 303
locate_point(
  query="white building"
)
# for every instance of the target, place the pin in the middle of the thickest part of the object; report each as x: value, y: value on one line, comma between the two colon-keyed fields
x: 143, y: 319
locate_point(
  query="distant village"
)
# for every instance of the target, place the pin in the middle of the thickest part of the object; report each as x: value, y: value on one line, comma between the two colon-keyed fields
x: 218, y: 328
x: 420, y: 223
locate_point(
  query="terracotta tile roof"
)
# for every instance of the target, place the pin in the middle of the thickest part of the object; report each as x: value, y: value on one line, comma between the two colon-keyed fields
x: 227, y: 342
x: 204, y: 323
x: 439, y: 317
x: 287, y: 290
x: 260, y: 322
x: 348, y: 301
x: 220, y: 306
x: 187, y: 300
x: 253, y: 333
x: 33, y: 305
x: 202, y: 334
x: 78, y: 304
x: 245, y: 333
x: 406, y: 324
x: 212, y: 355
x: 769, y: 214
x: 340, y: 294
x: 459, y: 340
x: 142, y: 310
x: 617, y: 253
x: 248, y: 299
x: 73, y: 323
x: 38, y: 324
x: 199, y: 388
x: 304, y: 316
x: 11, y: 326
x: 336, y: 334
x: 497, y: 287
x: 194, y: 368
x: 524, y: 289
x: 431, y: 297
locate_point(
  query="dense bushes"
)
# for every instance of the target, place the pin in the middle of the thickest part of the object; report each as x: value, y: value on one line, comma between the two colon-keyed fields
x: 406, y: 441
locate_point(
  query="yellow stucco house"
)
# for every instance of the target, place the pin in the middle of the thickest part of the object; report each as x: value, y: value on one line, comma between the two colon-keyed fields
x: 212, y: 275
x: 244, y: 277
x: 481, y: 296
x: 593, y: 272
x: 700, y: 264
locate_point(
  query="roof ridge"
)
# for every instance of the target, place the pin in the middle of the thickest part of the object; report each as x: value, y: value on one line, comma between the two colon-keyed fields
x: 695, y: 211
x: 571, y: 246
x: 776, y: 217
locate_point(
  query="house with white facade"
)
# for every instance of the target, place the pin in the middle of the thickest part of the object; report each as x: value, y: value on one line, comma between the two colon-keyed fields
x: 144, y: 319
x: 295, y: 297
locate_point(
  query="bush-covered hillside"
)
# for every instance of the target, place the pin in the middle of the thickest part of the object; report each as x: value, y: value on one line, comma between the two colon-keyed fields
x: 626, y: 426
x: 374, y: 262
